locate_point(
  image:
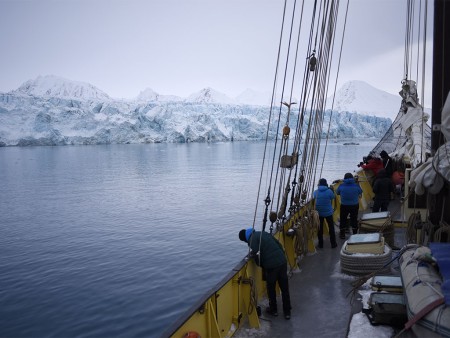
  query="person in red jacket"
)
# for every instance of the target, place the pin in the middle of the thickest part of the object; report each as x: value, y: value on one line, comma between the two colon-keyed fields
x: 373, y: 163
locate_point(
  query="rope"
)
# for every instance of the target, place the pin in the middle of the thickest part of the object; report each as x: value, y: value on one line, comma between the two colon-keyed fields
x: 253, y: 294
x: 314, y: 88
x: 322, y: 30
x: 315, y: 220
x: 299, y: 246
x: 408, y: 34
x: 305, y: 227
x: 335, y: 84
x: 268, y: 127
x: 253, y: 297
x: 285, y: 143
x: 443, y: 229
x: 410, y: 229
x: 313, y: 92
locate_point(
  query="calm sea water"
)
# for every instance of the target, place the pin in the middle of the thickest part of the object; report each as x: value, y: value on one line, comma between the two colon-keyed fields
x: 120, y: 240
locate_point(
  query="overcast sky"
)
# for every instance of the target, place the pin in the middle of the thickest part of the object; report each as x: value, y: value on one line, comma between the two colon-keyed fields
x: 179, y: 47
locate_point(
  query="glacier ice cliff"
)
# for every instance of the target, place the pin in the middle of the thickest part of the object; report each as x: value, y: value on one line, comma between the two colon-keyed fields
x: 51, y: 110
x: 27, y: 120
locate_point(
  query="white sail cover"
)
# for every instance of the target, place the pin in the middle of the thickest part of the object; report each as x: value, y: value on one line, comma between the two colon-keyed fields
x: 441, y: 161
x: 412, y: 124
x: 425, y: 178
x: 409, y: 138
x: 432, y: 174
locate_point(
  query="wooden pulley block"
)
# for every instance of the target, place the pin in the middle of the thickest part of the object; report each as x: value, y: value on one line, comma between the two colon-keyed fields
x: 273, y: 216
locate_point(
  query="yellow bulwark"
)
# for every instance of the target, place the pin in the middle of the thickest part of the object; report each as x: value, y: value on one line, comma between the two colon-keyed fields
x: 232, y: 302
x: 228, y: 305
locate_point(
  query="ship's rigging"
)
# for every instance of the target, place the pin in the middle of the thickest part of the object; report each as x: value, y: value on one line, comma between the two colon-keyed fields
x: 295, y: 156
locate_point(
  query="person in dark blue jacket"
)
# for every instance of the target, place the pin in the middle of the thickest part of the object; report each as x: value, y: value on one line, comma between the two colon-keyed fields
x: 323, y: 197
x: 269, y: 254
x: 350, y: 193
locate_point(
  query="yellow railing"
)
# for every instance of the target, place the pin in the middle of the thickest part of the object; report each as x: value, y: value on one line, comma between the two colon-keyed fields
x: 233, y: 301
x: 226, y: 307
x: 223, y: 310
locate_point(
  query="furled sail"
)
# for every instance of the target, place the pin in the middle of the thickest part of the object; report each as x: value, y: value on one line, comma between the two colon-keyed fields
x: 441, y: 160
x: 432, y: 174
x: 409, y: 138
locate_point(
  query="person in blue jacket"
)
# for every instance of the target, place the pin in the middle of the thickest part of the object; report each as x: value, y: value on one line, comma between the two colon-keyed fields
x: 350, y: 192
x: 269, y: 254
x: 323, y: 197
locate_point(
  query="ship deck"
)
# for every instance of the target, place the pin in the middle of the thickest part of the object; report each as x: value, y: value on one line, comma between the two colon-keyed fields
x: 321, y: 297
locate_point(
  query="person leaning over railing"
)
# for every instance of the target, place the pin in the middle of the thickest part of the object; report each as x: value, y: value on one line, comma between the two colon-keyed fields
x: 269, y: 255
x: 373, y: 164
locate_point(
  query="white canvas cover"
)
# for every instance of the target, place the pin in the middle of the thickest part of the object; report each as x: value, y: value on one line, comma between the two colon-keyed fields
x: 431, y: 175
x: 409, y: 138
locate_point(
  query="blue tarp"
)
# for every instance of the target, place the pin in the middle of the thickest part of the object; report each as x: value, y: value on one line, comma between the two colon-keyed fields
x: 441, y: 252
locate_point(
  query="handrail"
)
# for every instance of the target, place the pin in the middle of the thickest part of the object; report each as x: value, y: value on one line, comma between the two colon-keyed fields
x: 222, y: 310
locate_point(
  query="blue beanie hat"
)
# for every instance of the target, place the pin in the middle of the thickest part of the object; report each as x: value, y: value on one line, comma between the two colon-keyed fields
x: 244, y: 235
x: 323, y: 181
x: 248, y: 233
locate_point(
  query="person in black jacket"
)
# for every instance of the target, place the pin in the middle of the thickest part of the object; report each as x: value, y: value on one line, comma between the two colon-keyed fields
x: 269, y: 255
x: 382, y: 188
x: 387, y: 163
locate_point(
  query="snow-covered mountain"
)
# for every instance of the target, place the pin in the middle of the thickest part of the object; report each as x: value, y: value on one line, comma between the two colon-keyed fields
x: 360, y: 97
x: 54, y: 111
x: 209, y: 95
x: 150, y: 95
x: 54, y: 86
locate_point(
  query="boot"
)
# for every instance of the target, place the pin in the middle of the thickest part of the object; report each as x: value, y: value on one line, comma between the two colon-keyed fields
x: 320, y: 238
x: 333, y: 238
x: 271, y: 312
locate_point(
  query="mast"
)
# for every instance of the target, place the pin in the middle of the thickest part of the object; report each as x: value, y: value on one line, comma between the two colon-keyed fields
x: 441, y: 88
x: 441, y: 67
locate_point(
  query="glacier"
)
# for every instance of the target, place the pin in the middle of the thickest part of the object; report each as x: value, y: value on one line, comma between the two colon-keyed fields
x: 51, y: 111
